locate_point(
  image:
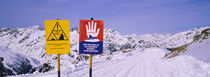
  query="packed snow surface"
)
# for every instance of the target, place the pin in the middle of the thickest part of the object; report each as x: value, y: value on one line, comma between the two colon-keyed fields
x: 139, y: 63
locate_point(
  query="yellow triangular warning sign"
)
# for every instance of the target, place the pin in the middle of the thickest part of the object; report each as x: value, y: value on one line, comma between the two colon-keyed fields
x: 57, y: 33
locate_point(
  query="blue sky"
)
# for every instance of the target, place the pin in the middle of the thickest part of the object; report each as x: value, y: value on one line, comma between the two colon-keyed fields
x: 125, y: 16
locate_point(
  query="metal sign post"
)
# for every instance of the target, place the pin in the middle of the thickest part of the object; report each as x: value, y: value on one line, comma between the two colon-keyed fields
x: 91, y: 65
x: 58, y: 58
x: 91, y: 61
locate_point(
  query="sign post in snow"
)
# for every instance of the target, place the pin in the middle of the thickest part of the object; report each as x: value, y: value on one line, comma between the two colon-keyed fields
x: 91, y: 38
x: 57, y: 37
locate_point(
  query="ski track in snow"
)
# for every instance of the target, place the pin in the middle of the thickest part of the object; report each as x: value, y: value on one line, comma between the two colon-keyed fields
x: 147, y: 63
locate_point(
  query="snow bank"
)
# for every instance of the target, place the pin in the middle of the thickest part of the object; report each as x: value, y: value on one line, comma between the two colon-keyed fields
x: 200, y: 50
x: 144, y: 63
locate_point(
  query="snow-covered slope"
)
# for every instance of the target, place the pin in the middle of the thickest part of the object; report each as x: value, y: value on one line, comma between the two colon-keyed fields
x: 200, y: 47
x: 200, y: 50
x: 140, y: 63
x: 15, y: 63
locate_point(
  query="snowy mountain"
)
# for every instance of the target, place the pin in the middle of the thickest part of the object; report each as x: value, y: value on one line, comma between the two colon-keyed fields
x: 198, y: 48
x: 31, y: 42
x: 15, y: 63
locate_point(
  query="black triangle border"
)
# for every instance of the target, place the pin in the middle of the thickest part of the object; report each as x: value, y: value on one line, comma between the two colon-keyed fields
x: 54, y: 34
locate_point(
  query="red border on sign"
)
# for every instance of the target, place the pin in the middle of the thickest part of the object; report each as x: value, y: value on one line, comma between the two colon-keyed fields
x: 82, y: 31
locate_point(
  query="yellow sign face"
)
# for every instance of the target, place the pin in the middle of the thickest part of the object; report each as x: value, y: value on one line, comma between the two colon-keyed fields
x: 57, y: 36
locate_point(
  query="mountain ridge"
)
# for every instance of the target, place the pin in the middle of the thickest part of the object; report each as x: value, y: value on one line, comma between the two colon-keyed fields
x: 31, y: 42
